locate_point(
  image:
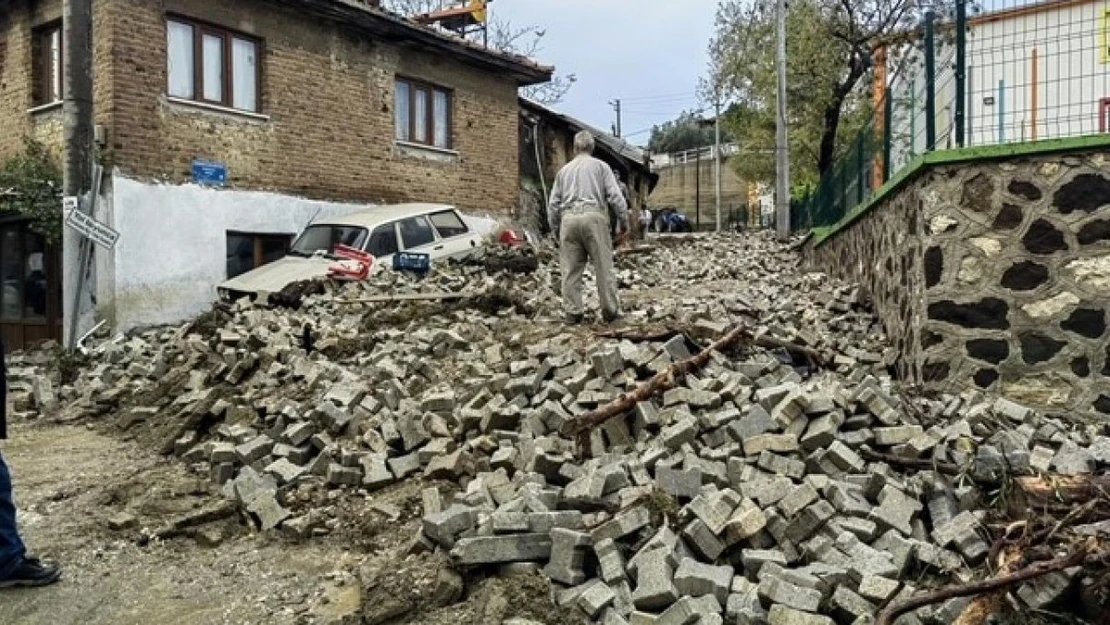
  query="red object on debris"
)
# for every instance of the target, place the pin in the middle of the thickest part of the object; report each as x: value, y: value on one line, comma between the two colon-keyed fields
x: 512, y: 238
x: 354, y: 264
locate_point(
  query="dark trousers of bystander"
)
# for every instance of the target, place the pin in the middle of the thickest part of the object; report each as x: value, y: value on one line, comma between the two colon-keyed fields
x: 12, y: 550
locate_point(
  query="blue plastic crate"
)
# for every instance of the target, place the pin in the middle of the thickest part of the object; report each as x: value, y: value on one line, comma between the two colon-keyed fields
x: 412, y: 261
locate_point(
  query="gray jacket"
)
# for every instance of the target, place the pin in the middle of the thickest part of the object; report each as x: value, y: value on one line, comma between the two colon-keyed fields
x: 3, y: 394
x: 586, y: 182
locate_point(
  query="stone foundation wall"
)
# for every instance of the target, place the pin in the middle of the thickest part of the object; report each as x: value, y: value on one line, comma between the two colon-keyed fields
x: 993, y: 275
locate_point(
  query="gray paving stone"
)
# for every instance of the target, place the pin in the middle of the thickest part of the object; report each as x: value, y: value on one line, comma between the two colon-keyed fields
x: 782, y: 592
x: 655, y: 589
x: 682, y: 484
x: 596, y: 599
x: 696, y: 579
x: 797, y: 499
x: 610, y: 561
x: 703, y: 541
x: 508, y: 548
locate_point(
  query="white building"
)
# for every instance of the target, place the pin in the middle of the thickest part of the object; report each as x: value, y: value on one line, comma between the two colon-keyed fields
x: 1034, y: 72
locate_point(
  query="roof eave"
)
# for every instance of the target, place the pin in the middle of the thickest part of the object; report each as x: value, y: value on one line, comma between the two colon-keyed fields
x: 394, y: 28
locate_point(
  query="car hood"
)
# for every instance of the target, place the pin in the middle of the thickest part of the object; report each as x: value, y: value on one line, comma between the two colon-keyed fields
x: 277, y: 275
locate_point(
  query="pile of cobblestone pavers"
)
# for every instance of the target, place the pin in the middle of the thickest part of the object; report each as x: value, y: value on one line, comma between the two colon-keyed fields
x: 760, y: 489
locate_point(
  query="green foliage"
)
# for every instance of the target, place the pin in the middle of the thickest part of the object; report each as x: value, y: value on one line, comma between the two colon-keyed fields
x: 829, y: 46
x: 31, y: 185
x: 683, y: 133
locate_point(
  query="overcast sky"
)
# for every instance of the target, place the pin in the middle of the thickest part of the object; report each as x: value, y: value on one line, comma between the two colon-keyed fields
x: 649, y: 53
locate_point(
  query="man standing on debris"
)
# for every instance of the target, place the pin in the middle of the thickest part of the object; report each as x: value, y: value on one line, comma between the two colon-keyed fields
x: 16, y: 569
x: 585, y: 192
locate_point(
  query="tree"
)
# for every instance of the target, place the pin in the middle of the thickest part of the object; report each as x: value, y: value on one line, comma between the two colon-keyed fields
x: 31, y: 186
x: 504, y: 36
x: 828, y: 55
x: 683, y: 133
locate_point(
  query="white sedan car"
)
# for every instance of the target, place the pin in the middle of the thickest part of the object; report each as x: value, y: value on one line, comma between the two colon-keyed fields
x: 437, y: 230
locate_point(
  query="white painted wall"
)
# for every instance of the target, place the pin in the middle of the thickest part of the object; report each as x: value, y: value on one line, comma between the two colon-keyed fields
x: 172, y: 248
x: 1071, y: 80
x: 1071, y: 77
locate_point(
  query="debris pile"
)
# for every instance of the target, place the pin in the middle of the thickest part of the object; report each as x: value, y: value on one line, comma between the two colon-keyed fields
x: 786, y: 481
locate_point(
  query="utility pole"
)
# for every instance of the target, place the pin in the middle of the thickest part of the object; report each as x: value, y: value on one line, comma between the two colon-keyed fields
x: 616, y: 104
x: 717, y: 164
x: 782, y: 148
x: 77, y: 110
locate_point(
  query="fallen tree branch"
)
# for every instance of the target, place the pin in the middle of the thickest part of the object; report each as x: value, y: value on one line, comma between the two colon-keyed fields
x: 661, y: 382
x: 406, y: 297
x: 1033, y: 571
x: 983, y: 606
x: 1064, y: 488
x: 640, y: 335
x: 815, y: 358
x: 914, y: 463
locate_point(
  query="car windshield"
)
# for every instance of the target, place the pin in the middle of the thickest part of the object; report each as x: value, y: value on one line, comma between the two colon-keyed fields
x: 324, y: 239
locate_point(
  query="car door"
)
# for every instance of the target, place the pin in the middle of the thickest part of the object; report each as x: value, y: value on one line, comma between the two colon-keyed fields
x: 418, y: 236
x: 456, y: 238
x: 383, y: 244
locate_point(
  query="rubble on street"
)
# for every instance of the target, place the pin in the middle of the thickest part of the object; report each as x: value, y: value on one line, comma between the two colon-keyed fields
x: 763, y: 488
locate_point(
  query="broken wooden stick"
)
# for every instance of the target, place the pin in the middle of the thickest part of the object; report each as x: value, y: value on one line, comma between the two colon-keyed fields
x: 1064, y: 488
x: 406, y: 297
x: 815, y: 358
x: 924, y: 464
x: 983, y: 606
x: 660, y: 383
x: 640, y: 334
x: 1033, y: 571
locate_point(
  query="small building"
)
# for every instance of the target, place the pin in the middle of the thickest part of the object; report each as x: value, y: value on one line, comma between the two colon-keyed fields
x: 225, y: 127
x: 553, y: 133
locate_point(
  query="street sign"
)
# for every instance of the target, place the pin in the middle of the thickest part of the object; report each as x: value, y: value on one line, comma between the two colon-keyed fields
x: 93, y: 230
x: 210, y: 174
x: 69, y: 203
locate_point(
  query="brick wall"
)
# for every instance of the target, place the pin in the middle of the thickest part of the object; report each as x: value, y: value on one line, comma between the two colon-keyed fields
x: 327, y: 94
x: 18, y: 117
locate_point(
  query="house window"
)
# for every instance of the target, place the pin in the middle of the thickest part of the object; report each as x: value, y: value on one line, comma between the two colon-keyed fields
x: 212, y: 65
x: 423, y: 114
x: 23, y: 288
x: 47, y: 64
x: 247, y: 251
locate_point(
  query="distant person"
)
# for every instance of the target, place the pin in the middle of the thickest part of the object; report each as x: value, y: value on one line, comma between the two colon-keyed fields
x: 584, y: 196
x: 645, y: 223
x: 16, y: 569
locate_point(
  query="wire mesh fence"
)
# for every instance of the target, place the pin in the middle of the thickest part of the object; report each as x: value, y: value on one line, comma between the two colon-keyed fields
x: 974, y: 73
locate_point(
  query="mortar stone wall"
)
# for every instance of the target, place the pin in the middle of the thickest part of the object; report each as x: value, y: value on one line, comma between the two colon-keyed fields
x: 1011, y: 289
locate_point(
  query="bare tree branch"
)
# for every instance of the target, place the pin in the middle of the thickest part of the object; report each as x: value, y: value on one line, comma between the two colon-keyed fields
x: 503, y: 36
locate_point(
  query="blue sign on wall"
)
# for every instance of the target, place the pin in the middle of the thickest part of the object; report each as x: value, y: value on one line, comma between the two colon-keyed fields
x: 210, y: 174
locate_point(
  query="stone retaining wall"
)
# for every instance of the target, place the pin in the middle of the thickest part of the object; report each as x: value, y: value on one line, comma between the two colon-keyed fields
x: 993, y: 275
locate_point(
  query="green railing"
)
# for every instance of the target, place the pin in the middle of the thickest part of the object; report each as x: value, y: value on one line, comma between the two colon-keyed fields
x: 1013, y: 72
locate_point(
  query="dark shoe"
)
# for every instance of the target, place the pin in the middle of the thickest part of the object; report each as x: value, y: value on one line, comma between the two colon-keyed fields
x: 574, y: 319
x: 30, y: 573
x: 612, y: 318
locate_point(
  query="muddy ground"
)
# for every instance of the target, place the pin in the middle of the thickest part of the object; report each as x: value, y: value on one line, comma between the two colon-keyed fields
x: 72, y: 480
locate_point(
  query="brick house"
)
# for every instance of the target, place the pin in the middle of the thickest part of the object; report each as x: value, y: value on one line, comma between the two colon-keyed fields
x: 312, y: 107
x: 554, y: 133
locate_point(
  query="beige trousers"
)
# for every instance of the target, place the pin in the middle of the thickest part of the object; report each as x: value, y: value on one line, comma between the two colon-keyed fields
x: 585, y: 236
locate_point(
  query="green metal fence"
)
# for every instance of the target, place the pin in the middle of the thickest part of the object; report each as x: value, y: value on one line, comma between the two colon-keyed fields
x: 978, y: 72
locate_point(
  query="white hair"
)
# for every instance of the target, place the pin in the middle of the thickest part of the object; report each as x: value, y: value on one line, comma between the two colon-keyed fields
x: 584, y: 142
